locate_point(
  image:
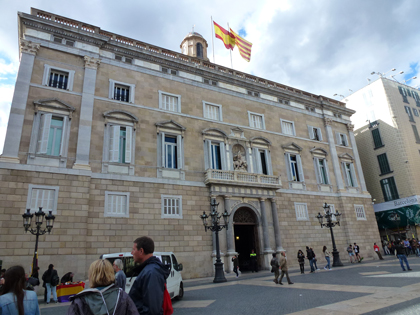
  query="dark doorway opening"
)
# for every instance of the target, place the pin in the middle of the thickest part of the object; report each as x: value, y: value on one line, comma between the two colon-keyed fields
x: 244, y: 243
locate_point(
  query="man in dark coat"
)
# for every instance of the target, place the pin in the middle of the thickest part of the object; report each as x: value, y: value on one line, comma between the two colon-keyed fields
x: 275, y: 268
x: 68, y: 277
x: 311, y: 256
x: 148, y: 288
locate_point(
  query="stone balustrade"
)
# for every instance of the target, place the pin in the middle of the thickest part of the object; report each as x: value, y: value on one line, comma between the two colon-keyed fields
x: 241, y: 178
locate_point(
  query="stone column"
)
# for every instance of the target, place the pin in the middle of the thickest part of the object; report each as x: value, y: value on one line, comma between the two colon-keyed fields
x: 230, y: 236
x: 28, y: 52
x: 266, y: 239
x: 274, y: 214
x: 86, y: 111
x: 350, y: 128
x: 334, y: 156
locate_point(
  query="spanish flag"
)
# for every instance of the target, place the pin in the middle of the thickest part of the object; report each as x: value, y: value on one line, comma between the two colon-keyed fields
x: 243, y: 45
x: 227, y: 38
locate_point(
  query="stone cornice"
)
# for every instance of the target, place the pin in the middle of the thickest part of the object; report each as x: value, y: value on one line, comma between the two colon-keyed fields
x: 28, y: 47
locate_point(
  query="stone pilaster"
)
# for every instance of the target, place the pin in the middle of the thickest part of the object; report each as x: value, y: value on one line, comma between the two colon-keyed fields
x: 266, y: 239
x: 86, y: 111
x: 334, y: 156
x: 28, y: 51
x: 356, y: 158
x: 274, y: 214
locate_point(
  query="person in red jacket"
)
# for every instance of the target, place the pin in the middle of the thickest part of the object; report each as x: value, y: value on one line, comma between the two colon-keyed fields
x: 376, y: 249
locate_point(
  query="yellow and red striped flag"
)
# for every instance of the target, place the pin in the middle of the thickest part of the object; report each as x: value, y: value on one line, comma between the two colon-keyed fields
x: 227, y: 37
x: 243, y: 45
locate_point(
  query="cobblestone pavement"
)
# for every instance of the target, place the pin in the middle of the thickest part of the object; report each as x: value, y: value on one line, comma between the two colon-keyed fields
x: 371, y: 287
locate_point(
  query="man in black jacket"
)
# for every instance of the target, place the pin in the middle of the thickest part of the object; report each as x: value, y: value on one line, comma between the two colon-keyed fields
x: 148, y: 288
x: 311, y: 256
x: 401, y: 255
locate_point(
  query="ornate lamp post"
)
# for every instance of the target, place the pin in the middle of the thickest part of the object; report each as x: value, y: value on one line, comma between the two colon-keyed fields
x: 215, y: 226
x: 330, y: 223
x: 39, y: 217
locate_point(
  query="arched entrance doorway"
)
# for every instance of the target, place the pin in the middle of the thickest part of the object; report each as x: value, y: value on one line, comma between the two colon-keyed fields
x: 246, y: 236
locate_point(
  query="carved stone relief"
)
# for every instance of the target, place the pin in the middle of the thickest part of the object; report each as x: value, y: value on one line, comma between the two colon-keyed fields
x: 239, y: 158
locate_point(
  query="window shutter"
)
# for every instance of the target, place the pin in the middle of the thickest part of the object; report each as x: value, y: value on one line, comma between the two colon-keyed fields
x: 207, y: 154
x: 128, y: 143
x: 317, y: 170
x: 300, y: 170
x: 337, y: 137
x: 343, y: 167
x: 288, y: 166
x: 319, y: 134
x: 353, y: 175
x: 326, y: 171
x: 268, y: 162
x: 111, y: 89
x: 63, y: 136
x: 311, y: 132
x: 393, y: 188
x: 345, y: 139
x: 44, y: 133
x: 257, y: 161
x: 179, y: 152
x: 115, y: 143
x: 162, y: 149
x: 223, y: 155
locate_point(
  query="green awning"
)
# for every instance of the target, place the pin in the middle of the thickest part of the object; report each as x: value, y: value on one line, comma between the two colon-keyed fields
x: 409, y: 215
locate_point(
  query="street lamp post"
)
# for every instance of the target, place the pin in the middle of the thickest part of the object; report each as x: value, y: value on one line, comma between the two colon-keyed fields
x: 215, y: 227
x: 328, y: 216
x: 39, y: 217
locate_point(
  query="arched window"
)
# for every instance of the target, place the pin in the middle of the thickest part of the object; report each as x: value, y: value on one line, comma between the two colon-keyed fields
x: 199, y: 50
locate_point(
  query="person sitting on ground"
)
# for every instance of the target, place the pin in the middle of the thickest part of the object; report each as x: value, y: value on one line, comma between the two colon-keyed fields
x: 104, y: 296
x: 68, y: 277
x: 15, y: 299
x: 120, y: 278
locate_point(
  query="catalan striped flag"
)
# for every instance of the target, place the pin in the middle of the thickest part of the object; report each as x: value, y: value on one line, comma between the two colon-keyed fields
x: 243, y: 45
x: 227, y: 37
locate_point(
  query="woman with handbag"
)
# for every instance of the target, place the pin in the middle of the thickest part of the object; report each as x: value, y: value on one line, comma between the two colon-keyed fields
x: 315, y: 260
x: 51, y: 280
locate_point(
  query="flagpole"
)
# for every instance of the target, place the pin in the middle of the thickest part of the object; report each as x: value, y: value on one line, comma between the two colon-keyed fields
x: 230, y: 50
x: 212, y: 38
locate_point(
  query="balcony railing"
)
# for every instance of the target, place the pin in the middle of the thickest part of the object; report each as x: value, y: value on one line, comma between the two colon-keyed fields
x: 241, y: 178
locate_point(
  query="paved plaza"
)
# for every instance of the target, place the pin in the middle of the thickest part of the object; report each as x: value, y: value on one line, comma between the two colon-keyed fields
x: 371, y: 287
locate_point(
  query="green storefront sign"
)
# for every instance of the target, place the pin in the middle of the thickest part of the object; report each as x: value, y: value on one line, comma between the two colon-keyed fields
x: 409, y: 215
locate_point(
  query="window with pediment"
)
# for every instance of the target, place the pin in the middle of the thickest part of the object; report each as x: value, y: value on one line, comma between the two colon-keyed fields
x: 319, y: 156
x: 347, y: 167
x: 215, y: 149
x: 261, y: 156
x: 294, y: 168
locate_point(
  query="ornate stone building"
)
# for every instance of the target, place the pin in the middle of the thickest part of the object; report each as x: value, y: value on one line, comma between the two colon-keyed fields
x: 120, y: 138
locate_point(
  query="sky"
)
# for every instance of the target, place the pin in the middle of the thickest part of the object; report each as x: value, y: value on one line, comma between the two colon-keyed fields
x: 324, y: 47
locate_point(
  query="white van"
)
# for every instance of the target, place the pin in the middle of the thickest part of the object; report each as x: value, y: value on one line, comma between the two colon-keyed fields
x: 173, y: 282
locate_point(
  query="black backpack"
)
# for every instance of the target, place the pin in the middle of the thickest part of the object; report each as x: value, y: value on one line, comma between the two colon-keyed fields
x: 55, y: 280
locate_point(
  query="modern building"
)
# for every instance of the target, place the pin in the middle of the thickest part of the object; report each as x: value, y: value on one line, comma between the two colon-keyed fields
x: 387, y: 137
x: 120, y: 138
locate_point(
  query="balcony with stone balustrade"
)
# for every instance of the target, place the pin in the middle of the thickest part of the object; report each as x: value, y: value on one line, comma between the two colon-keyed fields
x: 241, y: 178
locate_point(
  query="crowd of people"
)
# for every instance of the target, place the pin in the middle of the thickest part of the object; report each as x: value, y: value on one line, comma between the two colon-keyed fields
x: 106, y: 295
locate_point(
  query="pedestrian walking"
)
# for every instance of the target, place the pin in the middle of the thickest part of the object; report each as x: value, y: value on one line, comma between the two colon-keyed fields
x: 351, y: 254
x: 400, y: 249
x: 407, y: 246
x: 104, y: 296
x: 275, y: 268
x: 356, y: 249
x: 385, y: 246
x: 51, y: 279
x: 310, y: 256
x: 148, y: 288
x: 14, y: 299
x: 301, y: 260
x: 315, y: 260
x: 235, y: 265
x: 120, y: 278
x: 253, y: 257
x: 284, y: 269
x: 327, y: 258
x: 376, y: 249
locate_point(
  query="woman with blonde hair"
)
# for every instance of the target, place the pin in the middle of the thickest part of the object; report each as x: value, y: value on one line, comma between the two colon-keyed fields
x: 104, y: 296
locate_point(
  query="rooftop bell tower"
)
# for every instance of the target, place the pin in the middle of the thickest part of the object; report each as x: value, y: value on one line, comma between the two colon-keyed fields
x: 194, y: 45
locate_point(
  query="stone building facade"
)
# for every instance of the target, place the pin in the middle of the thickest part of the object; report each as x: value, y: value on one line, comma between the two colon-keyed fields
x: 387, y: 137
x: 120, y: 138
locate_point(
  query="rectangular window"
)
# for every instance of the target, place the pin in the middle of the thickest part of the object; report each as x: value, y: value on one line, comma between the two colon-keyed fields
x: 322, y: 171
x: 416, y: 112
x: 169, y: 71
x: 389, y: 189
x: 341, y: 139
x: 377, y: 138
x: 349, y: 174
x: 42, y: 196
x: 117, y: 204
x: 216, y: 161
x: 169, y: 102
x: 295, y: 170
x: 50, y: 135
x: 287, y: 127
x: 383, y: 164
x: 416, y: 133
x: 264, y: 169
x: 253, y: 93
x: 315, y: 133
x: 121, y: 93
x: 256, y: 120
x: 171, y: 206
x: 212, y: 111
x: 120, y: 143
x: 58, y: 79
x: 210, y: 82
x: 410, y: 115
x: 170, y: 152
x: 360, y: 212
x: 301, y: 212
